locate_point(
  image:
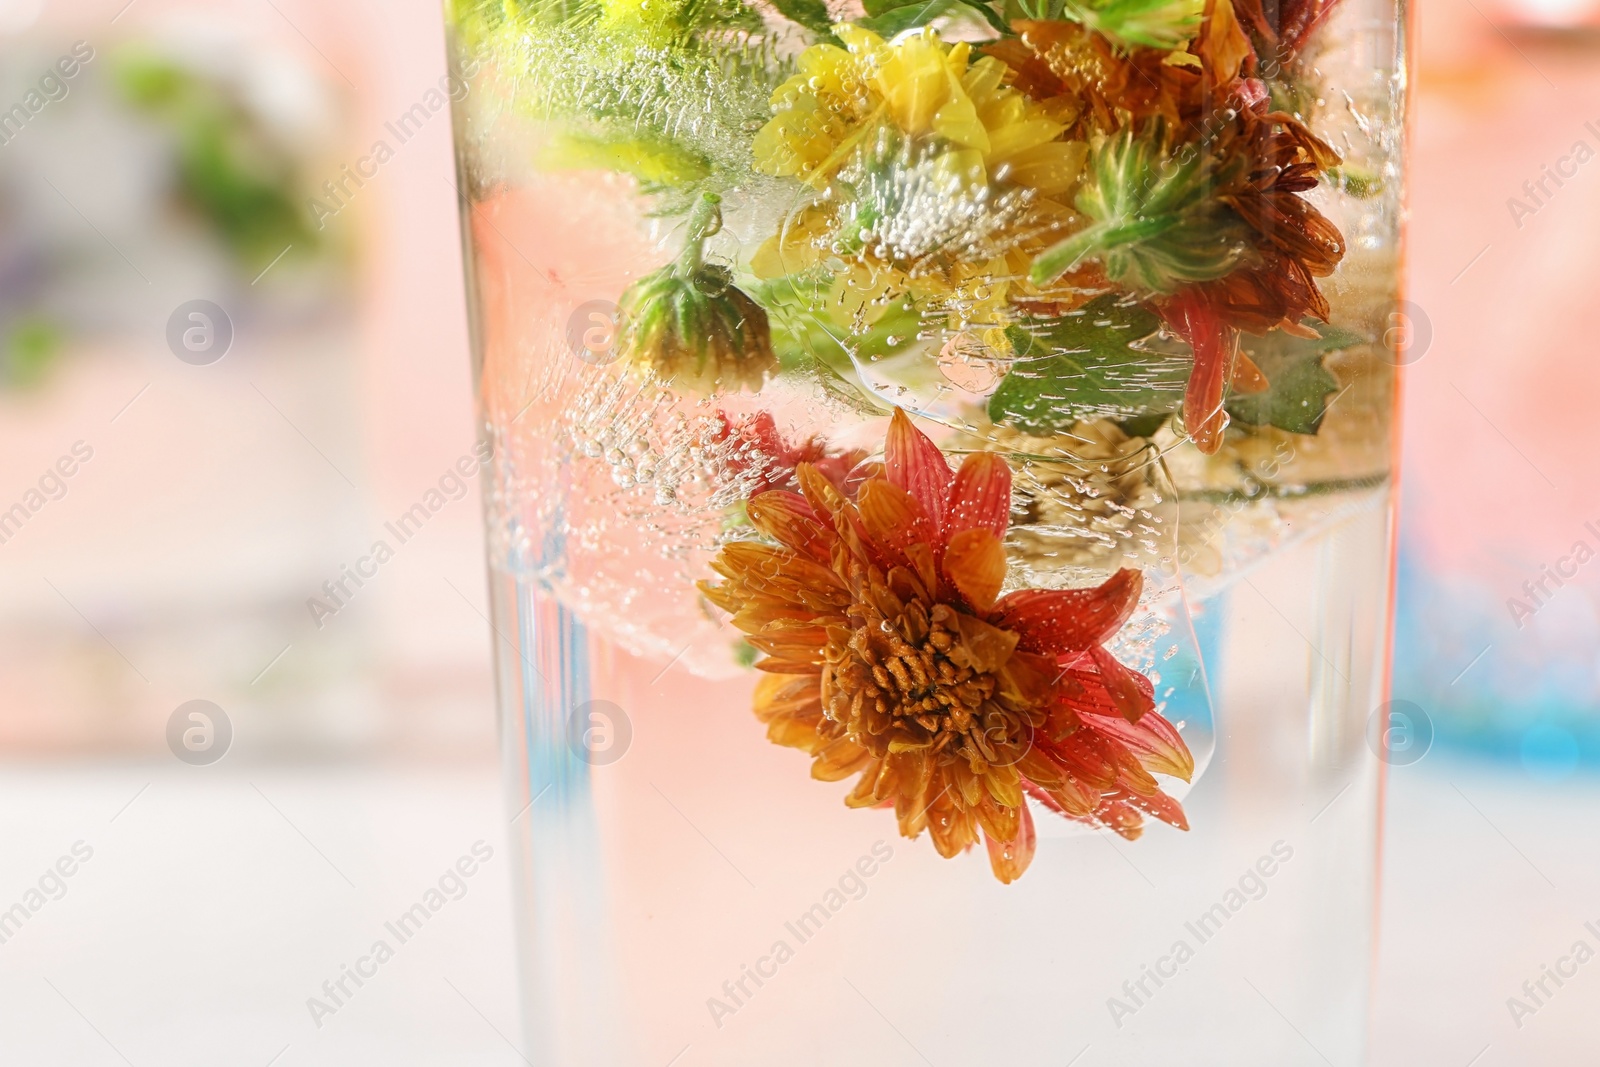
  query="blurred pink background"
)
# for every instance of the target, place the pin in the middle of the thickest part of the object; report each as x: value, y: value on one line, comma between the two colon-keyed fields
x: 180, y: 562
x: 1499, y: 484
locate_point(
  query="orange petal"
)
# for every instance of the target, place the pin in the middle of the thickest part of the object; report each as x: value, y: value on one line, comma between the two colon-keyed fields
x: 915, y: 464
x: 892, y: 517
x: 1247, y: 377
x: 975, y: 563
x: 1009, y: 859
x: 865, y: 795
x: 788, y: 667
x: 1056, y: 802
x: 965, y: 784
x: 1132, y: 778
x: 1223, y: 42
x: 1063, y: 620
x: 908, y: 777
x: 952, y: 827
x: 721, y: 596
x: 981, y: 496
x: 823, y: 496
x: 786, y: 639
x: 791, y: 710
x: 788, y: 519
x: 757, y: 563
x: 776, y: 695
x: 1000, y: 821
x: 838, y: 760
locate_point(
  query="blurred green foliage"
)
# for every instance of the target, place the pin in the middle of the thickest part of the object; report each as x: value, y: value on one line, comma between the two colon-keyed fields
x: 29, y: 346
x: 231, y: 171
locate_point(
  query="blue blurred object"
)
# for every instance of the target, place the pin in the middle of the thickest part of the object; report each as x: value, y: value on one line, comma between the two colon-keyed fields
x: 1527, y: 695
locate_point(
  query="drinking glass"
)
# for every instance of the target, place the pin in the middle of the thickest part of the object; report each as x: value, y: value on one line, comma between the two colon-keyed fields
x: 940, y: 520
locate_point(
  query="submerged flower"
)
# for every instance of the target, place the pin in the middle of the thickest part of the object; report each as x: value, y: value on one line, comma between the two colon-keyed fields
x: 1225, y: 211
x: 892, y: 657
x: 1295, y: 243
x: 1157, y: 220
x: 1055, y: 58
x: 939, y: 179
x: 1217, y: 230
x: 755, y: 449
x: 689, y: 325
x: 1083, y: 497
x: 920, y: 87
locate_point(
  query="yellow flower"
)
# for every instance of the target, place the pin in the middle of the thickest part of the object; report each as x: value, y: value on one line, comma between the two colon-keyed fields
x: 941, y: 180
x: 922, y: 88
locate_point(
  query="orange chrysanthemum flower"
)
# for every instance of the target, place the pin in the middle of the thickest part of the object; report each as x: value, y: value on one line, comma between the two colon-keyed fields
x: 892, y: 656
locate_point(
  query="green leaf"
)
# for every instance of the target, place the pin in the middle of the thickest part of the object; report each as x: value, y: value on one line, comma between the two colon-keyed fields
x: 812, y: 14
x: 899, y: 19
x: 1089, y: 363
x: 1298, y: 396
x: 889, y: 20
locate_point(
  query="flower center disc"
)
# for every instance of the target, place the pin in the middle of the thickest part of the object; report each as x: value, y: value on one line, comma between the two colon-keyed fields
x: 909, y: 683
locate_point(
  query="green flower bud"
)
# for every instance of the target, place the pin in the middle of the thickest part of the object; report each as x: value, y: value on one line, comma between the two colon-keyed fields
x: 1163, y: 24
x: 1158, y: 221
x: 689, y: 325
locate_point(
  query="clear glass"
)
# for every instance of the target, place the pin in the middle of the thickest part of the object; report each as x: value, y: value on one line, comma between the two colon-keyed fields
x: 689, y: 892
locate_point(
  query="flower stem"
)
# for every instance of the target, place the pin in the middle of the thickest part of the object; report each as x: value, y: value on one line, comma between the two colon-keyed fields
x: 704, y: 222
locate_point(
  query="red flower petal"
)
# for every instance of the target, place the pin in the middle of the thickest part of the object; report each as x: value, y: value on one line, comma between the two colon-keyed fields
x: 1215, y: 345
x: 1155, y: 741
x: 980, y: 498
x: 1162, y: 807
x: 1086, y: 761
x: 1053, y: 803
x: 1129, y: 691
x: 1119, y: 817
x: 915, y: 464
x: 1071, y: 620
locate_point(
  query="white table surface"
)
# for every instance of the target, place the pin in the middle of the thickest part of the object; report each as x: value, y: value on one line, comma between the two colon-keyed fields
x: 218, y: 900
